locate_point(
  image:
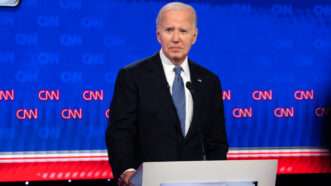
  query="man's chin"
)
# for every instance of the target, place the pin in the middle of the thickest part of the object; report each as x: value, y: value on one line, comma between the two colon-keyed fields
x: 177, y: 61
x: 177, y: 58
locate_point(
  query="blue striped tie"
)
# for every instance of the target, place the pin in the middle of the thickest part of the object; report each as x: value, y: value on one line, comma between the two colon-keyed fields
x: 178, y: 97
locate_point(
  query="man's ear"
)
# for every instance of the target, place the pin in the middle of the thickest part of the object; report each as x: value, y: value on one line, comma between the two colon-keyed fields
x: 158, y: 35
x: 195, y: 34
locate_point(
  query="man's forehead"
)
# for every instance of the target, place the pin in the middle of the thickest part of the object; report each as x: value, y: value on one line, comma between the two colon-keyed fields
x: 172, y: 16
x: 184, y: 12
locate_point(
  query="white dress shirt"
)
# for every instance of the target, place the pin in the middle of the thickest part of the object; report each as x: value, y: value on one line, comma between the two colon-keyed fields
x: 168, y: 68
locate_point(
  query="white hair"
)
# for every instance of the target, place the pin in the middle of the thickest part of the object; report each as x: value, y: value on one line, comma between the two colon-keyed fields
x: 176, y: 6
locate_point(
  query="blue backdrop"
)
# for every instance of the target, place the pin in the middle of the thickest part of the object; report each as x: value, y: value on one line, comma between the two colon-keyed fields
x: 74, y: 46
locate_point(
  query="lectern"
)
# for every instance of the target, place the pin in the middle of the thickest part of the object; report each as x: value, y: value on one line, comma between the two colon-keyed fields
x: 207, y: 173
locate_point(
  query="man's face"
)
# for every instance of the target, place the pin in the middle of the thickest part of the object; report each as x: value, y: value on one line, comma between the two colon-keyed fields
x: 176, y: 33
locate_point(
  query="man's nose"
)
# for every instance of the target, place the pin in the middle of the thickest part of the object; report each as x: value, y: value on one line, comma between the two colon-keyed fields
x: 175, y: 36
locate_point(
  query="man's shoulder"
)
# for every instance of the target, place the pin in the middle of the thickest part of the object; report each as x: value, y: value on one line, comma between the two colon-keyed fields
x: 199, y: 69
x: 142, y: 64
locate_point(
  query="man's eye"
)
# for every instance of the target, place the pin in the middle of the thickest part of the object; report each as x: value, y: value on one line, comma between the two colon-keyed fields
x: 183, y: 31
x: 168, y: 29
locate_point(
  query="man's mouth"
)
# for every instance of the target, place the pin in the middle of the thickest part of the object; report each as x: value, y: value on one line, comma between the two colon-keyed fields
x: 175, y: 48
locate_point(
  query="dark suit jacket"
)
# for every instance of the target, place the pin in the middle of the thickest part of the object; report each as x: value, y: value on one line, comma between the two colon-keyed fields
x: 144, y: 125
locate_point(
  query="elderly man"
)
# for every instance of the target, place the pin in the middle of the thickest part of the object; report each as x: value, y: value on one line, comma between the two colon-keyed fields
x: 166, y: 107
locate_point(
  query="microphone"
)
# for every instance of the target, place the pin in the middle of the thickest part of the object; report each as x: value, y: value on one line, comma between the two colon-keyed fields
x: 204, y: 156
x: 189, y: 86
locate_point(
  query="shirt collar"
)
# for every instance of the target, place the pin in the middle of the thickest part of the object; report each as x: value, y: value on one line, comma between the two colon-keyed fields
x: 169, y: 66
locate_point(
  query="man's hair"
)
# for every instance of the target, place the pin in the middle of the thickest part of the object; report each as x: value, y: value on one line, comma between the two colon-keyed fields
x: 176, y: 6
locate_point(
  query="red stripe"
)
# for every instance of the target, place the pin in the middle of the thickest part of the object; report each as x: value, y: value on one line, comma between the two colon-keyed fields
x: 299, y: 165
x: 53, y: 157
x: 55, y: 171
x: 230, y: 154
x: 282, y: 152
x: 76, y: 170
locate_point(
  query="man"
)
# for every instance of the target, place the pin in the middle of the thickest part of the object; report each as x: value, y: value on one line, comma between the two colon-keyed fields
x: 166, y: 108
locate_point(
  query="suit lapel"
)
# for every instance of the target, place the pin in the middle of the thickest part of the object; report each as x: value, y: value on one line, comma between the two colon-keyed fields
x: 159, y: 81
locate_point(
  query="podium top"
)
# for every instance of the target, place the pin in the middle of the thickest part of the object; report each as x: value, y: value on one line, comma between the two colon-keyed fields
x: 262, y: 172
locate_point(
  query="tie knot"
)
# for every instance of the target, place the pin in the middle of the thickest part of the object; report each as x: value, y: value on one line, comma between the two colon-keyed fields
x: 178, y: 70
